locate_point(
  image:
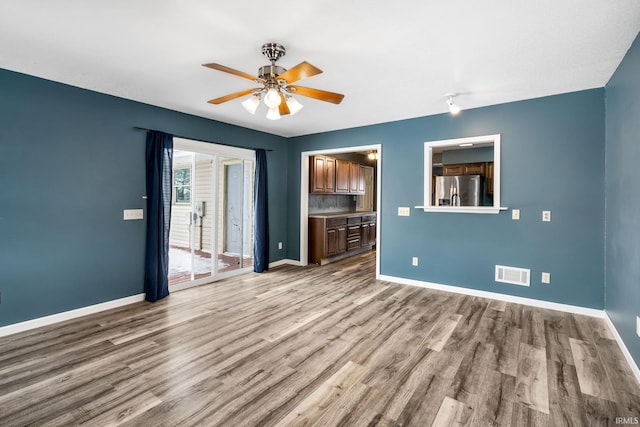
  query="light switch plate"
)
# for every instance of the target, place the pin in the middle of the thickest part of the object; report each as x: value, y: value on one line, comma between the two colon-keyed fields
x: 546, y: 216
x: 404, y: 211
x: 546, y: 278
x: 515, y: 214
x: 130, y: 214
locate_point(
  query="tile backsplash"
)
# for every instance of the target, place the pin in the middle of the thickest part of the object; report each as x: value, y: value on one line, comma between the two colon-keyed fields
x: 327, y: 203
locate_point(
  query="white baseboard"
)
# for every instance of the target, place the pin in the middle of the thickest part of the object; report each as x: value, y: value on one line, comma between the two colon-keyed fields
x: 67, y: 315
x: 497, y: 296
x: 285, y: 262
x: 623, y: 347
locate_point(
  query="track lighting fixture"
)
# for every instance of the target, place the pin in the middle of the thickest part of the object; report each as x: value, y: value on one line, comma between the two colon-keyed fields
x: 453, y: 108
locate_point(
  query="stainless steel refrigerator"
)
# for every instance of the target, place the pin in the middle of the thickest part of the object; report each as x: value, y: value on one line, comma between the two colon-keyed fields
x: 458, y: 190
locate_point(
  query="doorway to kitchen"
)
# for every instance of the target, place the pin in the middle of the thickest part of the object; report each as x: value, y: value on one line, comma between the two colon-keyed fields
x: 305, y: 171
x: 211, y: 232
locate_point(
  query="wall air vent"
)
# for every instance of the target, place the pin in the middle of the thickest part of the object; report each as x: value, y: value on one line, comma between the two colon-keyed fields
x: 513, y: 275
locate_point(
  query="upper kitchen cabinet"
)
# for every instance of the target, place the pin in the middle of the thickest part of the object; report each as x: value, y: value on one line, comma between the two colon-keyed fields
x: 465, y: 169
x: 337, y: 176
x: 354, y: 177
x: 323, y: 174
x: 342, y: 176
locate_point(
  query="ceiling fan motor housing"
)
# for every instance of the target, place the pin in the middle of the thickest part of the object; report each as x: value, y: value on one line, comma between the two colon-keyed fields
x: 270, y: 72
x: 273, y: 51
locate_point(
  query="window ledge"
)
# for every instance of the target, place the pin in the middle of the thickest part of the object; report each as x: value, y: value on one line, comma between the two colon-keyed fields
x: 463, y: 209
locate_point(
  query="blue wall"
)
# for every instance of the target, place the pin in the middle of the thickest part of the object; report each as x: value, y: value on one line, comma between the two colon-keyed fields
x: 552, y: 159
x: 70, y: 162
x: 622, y: 260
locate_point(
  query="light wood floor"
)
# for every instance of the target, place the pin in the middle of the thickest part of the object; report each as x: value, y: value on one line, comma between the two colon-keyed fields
x: 317, y: 346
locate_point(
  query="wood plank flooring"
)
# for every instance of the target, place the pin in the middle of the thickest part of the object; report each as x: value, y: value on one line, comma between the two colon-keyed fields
x: 317, y: 346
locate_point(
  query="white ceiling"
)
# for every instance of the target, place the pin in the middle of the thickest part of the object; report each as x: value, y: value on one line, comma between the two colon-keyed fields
x: 392, y: 60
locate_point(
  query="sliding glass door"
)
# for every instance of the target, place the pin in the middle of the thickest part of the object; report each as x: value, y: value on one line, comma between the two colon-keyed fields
x: 211, y: 232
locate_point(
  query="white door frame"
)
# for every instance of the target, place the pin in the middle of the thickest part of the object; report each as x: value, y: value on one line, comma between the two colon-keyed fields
x: 304, y: 197
x: 216, y: 151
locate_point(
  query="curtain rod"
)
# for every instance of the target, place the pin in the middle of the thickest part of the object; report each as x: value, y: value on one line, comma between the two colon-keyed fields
x: 199, y: 140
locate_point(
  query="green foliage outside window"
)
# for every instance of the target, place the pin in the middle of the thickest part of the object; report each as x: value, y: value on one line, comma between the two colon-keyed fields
x: 182, y: 185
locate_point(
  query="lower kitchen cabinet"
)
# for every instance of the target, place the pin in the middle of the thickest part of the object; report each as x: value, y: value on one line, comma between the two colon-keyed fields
x: 333, y: 237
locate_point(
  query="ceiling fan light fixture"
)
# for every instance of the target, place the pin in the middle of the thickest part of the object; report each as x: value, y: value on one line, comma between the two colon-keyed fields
x: 294, y: 105
x: 276, y: 84
x: 273, y: 113
x: 251, y: 104
x: 453, y: 108
x: 272, y: 98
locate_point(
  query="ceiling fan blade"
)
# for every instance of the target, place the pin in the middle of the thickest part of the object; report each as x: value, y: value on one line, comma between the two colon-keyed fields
x: 283, y: 108
x: 322, y: 95
x: 299, y: 72
x: 234, y: 72
x: 231, y: 96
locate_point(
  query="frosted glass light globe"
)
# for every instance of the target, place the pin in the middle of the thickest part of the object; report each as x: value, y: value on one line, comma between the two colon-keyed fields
x: 272, y: 98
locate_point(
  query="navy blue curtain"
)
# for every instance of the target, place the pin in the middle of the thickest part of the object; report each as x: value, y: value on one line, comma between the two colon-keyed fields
x: 261, y: 215
x: 159, y: 160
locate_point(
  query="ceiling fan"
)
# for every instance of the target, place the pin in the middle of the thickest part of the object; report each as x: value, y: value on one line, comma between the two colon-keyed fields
x: 276, y: 88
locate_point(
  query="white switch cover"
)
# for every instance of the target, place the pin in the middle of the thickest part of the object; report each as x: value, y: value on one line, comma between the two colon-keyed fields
x: 546, y: 216
x: 279, y: 245
x: 515, y: 214
x: 638, y: 326
x: 404, y: 211
x: 133, y: 214
x: 414, y: 261
x: 546, y: 278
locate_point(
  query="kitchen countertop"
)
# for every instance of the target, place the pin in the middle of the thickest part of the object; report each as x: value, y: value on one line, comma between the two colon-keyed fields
x: 336, y: 214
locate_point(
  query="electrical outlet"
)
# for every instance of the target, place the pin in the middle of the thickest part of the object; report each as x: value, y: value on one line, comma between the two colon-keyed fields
x: 279, y: 245
x: 404, y: 211
x: 546, y: 216
x: 638, y: 325
x: 414, y: 261
x: 546, y: 278
x: 515, y: 214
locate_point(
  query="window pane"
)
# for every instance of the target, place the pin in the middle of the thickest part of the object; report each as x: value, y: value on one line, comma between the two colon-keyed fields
x: 182, y: 177
x: 183, y: 194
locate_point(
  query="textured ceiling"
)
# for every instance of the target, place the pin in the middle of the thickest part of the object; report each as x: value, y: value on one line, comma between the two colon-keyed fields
x: 392, y: 60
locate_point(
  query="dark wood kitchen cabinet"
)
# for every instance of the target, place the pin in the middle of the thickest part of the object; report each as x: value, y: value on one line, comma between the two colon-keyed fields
x: 465, y: 169
x: 490, y: 178
x: 450, y: 170
x: 357, y: 178
x: 333, y: 237
x: 323, y: 174
x: 327, y: 237
x: 353, y: 232
x: 336, y: 176
x: 342, y: 175
x: 368, y: 230
x: 362, y: 178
